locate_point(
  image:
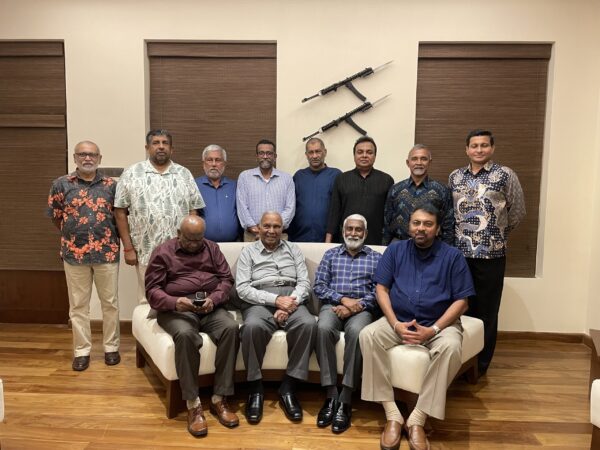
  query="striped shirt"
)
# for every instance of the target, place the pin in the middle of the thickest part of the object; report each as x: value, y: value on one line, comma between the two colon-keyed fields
x: 341, y: 275
x: 255, y: 195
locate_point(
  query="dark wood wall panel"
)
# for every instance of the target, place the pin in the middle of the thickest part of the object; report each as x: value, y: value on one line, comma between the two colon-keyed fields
x: 229, y: 100
x: 507, y: 96
x: 33, y: 139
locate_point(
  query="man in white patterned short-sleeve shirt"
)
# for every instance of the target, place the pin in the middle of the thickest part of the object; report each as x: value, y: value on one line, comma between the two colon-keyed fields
x: 152, y: 198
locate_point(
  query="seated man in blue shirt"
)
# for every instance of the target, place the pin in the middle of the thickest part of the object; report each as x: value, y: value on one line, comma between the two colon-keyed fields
x: 422, y: 288
x: 218, y: 192
x: 344, y: 284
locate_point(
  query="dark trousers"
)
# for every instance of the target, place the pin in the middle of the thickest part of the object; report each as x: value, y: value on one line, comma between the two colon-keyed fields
x: 223, y: 330
x: 259, y: 326
x: 328, y: 334
x: 488, y: 278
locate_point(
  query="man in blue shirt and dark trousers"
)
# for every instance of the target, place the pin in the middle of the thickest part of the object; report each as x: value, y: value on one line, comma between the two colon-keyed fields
x: 218, y: 192
x: 422, y: 288
x: 313, y: 193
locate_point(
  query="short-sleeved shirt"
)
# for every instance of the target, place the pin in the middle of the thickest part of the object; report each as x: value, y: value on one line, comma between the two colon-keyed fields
x: 423, y: 284
x: 488, y: 205
x: 342, y: 275
x: 313, y: 194
x: 220, y: 213
x: 85, y: 209
x: 157, y: 203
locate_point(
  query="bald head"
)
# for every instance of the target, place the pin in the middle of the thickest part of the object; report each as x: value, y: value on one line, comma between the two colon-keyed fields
x: 191, y: 234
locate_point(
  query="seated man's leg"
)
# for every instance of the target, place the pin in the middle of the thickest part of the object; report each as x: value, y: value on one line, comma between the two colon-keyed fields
x: 259, y: 326
x: 224, y: 332
x: 445, y: 350
x: 301, y: 334
x: 352, y: 354
x: 184, y: 328
x: 328, y: 334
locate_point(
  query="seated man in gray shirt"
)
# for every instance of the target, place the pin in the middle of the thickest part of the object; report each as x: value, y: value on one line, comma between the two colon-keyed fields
x: 272, y: 282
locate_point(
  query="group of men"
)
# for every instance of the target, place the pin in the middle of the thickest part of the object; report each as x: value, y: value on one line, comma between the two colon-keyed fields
x: 445, y: 257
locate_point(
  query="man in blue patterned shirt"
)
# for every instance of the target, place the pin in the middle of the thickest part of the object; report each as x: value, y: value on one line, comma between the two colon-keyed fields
x: 488, y: 205
x: 344, y: 284
x: 418, y: 189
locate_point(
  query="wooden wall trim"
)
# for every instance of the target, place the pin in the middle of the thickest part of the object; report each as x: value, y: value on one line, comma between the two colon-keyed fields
x: 571, y: 338
x: 32, y: 121
x: 485, y: 51
x: 31, y: 48
x: 213, y: 49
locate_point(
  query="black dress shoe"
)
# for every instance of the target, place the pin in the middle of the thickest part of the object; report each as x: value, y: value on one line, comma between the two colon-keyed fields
x: 291, y: 406
x: 325, y: 416
x: 81, y: 363
x: 254, y: 408
x: 112, y: 358
x: 341, y: 419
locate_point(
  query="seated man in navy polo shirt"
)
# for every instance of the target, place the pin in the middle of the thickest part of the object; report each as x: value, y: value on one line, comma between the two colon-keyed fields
x: 422, y: 288
x: 218, y: 192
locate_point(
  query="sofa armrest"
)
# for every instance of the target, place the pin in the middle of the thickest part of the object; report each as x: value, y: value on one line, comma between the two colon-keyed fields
x: 595, y: 356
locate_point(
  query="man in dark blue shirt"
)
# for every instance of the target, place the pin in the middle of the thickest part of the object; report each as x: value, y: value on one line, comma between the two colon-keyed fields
x: 422, y: 288
x: 344, y: 284
x: 218, y: 192
x: 406, y: 195
x: 313, y: 193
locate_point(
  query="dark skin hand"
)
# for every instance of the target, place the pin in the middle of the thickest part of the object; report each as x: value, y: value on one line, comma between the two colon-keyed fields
x: 184, y: 304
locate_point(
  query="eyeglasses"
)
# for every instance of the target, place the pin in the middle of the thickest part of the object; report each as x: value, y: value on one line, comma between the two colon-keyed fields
x: 87, y: 155
x: 265, y: 154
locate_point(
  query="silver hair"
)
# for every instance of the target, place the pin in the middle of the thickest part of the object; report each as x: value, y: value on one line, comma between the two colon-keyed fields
x: 419, y: 147
x: 214, y: 148
x: 355, y: 217
x: 86, y: 142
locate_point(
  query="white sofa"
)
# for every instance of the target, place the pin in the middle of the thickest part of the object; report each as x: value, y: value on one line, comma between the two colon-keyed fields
x: 595, y: 389
x: 156, y: 348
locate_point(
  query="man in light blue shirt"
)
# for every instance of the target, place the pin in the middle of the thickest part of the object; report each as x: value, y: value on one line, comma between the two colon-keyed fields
x: 218, y: 193
x: 264, y: 188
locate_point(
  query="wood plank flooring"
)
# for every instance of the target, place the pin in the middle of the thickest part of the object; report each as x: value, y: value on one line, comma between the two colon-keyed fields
x: 534, y: 396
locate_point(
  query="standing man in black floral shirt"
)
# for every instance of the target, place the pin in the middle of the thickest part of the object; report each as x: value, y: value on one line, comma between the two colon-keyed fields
x: 81, y: 207
x: 488, y: 205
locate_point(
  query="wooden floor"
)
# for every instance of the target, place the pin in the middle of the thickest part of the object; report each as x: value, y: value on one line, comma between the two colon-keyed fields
x: 535, y: 395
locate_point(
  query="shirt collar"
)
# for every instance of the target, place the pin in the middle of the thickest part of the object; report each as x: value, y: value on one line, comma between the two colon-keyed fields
x: 75, y: 176
x: 262, y: 248
x: 433, y: 250
x: 343, y: 249
x: 256, y: 172
x: 487, y: 167
x: 357, y: 172
x: 204, y: 180
x: 148, y: 167
x: 424, y: 183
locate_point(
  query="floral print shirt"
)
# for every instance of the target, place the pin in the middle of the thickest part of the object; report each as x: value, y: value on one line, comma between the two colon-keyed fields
x: 156, y: 201
x: 85, y: 210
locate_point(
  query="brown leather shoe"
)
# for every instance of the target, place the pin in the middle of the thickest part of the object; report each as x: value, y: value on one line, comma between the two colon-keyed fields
x: 392, y: 433
x: 81, y: 363
x: 224, y: 413
x: 417, y: 439
x: 197, y: 425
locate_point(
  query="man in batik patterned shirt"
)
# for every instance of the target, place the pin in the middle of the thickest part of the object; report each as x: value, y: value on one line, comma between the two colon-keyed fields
x: 81, y: 207
x: 152, y: 198
x: 488, y: 205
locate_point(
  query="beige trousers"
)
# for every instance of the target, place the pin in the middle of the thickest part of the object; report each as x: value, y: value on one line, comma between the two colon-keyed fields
x: 141, y: 290
x: 79, y: 283
x: 444, y: 350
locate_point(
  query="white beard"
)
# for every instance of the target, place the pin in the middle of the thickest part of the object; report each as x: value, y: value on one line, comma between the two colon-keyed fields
x: 353, y: 244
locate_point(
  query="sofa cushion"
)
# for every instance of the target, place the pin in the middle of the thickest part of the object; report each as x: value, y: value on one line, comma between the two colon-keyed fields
x: 595, y: 403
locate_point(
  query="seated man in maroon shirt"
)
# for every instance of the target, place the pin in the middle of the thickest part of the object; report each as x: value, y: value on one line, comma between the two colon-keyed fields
x: 182, y: 271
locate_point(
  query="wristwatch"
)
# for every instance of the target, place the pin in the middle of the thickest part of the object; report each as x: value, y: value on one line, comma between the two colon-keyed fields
x: 436, y: 329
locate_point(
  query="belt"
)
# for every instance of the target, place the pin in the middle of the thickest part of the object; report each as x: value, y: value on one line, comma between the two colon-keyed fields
x: 275, y: 283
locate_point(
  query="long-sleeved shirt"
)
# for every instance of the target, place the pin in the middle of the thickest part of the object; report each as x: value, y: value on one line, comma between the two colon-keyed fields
x: 174, y: 273
x: 487, y: 206
x: 220, y: 213
x: 255, y: 195
x: 313, y: 194
x: 355, y: 194
x: 401, y: 201
x: 342, y: 275
x: 257, y: 265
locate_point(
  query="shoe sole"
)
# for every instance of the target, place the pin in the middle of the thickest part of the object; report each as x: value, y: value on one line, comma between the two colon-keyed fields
x: 198, y: 433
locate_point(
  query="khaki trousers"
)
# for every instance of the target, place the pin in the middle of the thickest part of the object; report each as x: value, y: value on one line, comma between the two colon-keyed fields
x: 141, y: 290
x: 445, y: 352
x: 79, y: 283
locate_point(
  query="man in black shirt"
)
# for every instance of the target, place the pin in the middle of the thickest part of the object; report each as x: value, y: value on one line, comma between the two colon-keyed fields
x: 362, y: 190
